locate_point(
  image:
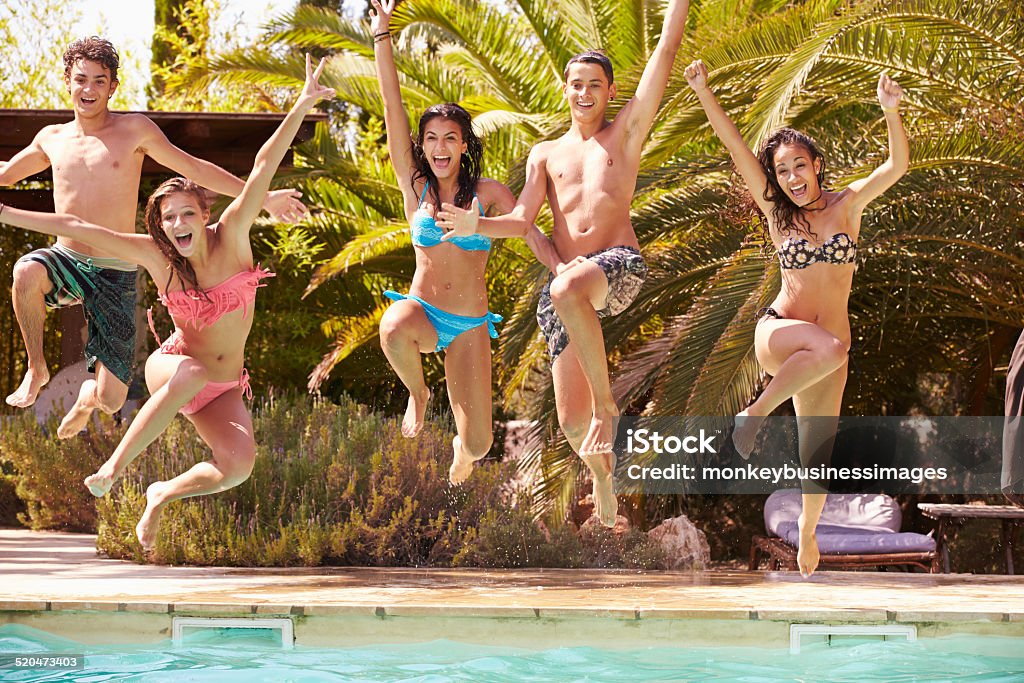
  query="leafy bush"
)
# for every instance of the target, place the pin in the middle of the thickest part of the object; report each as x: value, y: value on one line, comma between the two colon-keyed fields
x: 332, y: 484
x: 49, y: 471
x: 339, y: 485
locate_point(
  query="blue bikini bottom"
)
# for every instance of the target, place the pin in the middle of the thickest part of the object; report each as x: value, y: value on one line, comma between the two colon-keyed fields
x: 449, y: 325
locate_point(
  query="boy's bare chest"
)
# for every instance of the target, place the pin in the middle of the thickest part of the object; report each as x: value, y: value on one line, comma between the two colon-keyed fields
x: 93, y: 156
x: 587, y: 164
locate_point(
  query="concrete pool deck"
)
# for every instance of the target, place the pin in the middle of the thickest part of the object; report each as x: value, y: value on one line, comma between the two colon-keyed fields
x: 57, y: 582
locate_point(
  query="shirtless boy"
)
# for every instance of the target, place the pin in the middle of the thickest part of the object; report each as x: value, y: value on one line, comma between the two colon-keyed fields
x: 588, y: 176
x: 97, y: 168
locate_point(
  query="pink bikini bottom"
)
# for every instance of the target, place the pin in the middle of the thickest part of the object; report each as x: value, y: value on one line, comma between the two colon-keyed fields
x: 213, y: 390
x: 175, y: 344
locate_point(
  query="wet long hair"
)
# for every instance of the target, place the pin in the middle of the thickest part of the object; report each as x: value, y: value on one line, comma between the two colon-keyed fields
x: 787, y: 216
x: 470, y: 163
x: 179, y: 265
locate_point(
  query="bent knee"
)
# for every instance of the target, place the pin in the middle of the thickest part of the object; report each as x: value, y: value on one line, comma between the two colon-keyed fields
x: 564, y: 290
x: 190, y: 377
x: 110, y: 401
x: 30, y: 276
x: 833, y: 352
x: 395, y: 327
x: 573, y: 429
x: 390, y: 334
x: 238, y: 468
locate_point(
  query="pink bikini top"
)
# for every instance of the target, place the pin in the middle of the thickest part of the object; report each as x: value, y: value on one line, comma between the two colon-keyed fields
x: 238, y: 291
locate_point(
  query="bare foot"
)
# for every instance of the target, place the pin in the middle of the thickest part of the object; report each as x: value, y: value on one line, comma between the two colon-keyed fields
x: 99, y: 484
x: 600, y: 437
x: 26, y: 393
x: 412, y: 423
x: 149, y: 524
x: 807, y: 556
x: 462, y: 464
x: 76, y: 419
x: 744, y: 434
x: 602, y: 468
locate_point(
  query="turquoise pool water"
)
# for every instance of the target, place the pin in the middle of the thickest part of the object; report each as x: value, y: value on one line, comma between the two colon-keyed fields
x: 246, y: 659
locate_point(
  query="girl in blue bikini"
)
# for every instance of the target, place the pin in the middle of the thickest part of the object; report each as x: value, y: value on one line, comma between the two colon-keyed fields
x: 446, y: 306
x: 803, y: 338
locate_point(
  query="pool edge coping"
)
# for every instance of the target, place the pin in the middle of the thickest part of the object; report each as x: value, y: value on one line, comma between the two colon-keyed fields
x: 412, y: 609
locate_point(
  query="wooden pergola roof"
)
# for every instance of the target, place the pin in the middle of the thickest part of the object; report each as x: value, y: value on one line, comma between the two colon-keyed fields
x: 227, y: 139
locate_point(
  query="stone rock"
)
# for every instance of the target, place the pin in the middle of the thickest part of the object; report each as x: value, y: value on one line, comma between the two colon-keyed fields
x: 582, y: 510
x: 685, y: 546
x: 621, y: 527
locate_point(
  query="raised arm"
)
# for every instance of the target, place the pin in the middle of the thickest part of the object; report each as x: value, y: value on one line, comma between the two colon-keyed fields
x: 638, y: 114
x: 749, y: 167
x: 395, y: 121
x: 25, y: 163
x: 886, y: 175
x: 241, y: 213
x: 283, y: 205
x: 131, y: 247
x: 515, y: 223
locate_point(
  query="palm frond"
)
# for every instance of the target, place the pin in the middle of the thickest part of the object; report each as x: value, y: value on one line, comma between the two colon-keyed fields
x: 350, y: 333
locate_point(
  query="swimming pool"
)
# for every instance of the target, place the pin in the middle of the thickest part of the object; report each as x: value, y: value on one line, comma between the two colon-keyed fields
x: 250, y: 657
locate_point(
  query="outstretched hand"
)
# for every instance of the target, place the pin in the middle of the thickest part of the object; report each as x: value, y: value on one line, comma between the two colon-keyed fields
x: 312, y: 91
x: 380, y: 15
x: 889, y: 92
x: 459, y: 222
x: 697, y: 75
x: 284, y: 206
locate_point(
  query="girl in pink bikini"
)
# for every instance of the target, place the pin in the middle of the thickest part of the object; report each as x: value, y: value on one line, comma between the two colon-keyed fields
x: 207, y: 280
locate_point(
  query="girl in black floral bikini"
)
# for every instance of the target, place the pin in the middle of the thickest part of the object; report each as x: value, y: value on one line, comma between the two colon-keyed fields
x: 803, y: 338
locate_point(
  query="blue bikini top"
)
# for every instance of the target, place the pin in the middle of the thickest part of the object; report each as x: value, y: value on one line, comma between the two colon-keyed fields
x: 425, y: 232
x: 800, y: 253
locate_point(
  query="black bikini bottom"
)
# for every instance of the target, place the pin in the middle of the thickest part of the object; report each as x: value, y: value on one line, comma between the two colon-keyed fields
x: 767, y: 311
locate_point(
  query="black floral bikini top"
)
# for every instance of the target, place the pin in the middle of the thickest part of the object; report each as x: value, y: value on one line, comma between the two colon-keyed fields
x: 799, y: 253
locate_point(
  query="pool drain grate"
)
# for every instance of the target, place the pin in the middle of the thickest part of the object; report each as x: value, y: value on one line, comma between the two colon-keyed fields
x: 798, y: 631
x: 284, y: 627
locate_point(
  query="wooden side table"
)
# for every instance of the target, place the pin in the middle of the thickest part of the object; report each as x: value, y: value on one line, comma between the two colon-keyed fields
x: 946, y: 514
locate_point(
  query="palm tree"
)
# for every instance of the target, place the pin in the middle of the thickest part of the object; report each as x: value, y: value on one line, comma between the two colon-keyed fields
x: 936, y: 297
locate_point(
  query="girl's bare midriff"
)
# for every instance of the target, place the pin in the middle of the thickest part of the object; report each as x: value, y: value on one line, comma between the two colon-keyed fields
x: 818, y: 294
x: 451, y: 279
x: 220, y: 347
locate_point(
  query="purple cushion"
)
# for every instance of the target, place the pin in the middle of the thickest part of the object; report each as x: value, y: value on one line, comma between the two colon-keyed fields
x: 835, y: 540
x: 851, y: 523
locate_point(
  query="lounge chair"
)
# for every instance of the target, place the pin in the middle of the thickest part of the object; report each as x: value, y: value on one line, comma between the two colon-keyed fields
x: 856, y: 530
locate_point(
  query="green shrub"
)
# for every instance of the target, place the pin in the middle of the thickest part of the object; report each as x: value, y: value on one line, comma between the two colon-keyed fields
x: 49, y: 471
x: 509, y: 538
x: 633, y: 549
x: 332, y: 484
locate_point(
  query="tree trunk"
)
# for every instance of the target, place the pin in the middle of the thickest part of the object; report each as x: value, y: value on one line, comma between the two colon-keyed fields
x: 1002, y: 339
